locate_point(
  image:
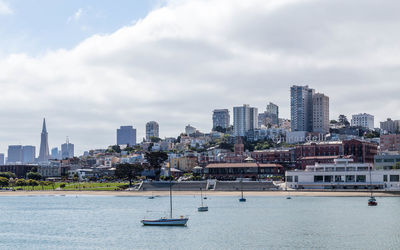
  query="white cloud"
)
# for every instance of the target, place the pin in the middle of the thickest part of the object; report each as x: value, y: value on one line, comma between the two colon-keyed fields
x: 76, y: 16
x: 5, y: 9
x: 188, y: 57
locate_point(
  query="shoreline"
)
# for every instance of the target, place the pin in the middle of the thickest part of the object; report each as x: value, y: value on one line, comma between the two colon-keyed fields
x: 292, y: 193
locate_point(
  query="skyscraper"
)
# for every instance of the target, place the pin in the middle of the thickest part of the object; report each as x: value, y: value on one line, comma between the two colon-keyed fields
x: 244, y: 119
x: 67, y: 150
x: 44, y: 144
x: 28, y: 154
x: 1, y: 159
x: 301, y: 110
x: 126, y: 135
x: 14, y: 154
x: 273, y: 113
x: 320, y: 113
x: 55, y: 153
x: 152, y: 130
x: 221, y: 118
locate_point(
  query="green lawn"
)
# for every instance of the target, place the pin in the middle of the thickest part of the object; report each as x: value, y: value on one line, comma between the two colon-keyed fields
x: 92, y: 186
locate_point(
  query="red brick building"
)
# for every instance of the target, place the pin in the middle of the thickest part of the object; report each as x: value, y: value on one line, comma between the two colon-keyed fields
x: 229, y: 171
x: 390, y: 142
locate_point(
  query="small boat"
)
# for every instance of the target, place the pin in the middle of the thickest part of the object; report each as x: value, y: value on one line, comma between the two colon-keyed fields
x: 242, y: 199
x: 152, y: 196
x: 181, y: 221
x: 166, y: 222
x: 202, y: 207
x: 372, y: 201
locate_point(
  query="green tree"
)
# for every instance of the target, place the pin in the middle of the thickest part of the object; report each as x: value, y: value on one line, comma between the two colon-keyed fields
x: 128, y: 171
x: 62, y: 185
x: 343, y: 120
x: 4, y: 182
x: 20, y: 182
x: 154, y: 139
x: 155, y: 160
x: 32, y: 183
x: 220, y: 129
x: 7, y: 175
x: 34, y: 176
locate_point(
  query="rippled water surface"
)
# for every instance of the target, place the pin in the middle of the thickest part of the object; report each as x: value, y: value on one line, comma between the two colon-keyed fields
x: 109, y: 222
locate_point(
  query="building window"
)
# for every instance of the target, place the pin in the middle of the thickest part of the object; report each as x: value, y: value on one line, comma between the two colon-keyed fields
x: 328, y: 178
x: 361, y: 178
x: 318, y: 178
x: 296, y: 178
x: 385, y: 178
x: 289, y: 178
x: 350, y: 178
x: 339, y: 178
x: 394, y: 178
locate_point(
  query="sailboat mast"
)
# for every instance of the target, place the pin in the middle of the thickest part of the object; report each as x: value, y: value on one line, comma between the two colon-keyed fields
x: 201, y: 196
x: 170, y: 199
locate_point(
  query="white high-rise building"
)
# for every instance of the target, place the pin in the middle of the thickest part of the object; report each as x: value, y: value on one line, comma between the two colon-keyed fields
x: 245, y: 118
x: 152, y: 130
x: 126, y: 135
x: 363, y: 120
x: 320, y: 113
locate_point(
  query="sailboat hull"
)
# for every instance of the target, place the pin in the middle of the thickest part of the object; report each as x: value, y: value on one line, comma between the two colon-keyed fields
x: 166, y: 222
x: 202, y: 209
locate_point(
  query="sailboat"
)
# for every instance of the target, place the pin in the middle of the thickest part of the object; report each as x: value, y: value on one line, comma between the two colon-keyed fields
x: 371, y: 201
x: 152, y: 195
x: 181, y: 221
x: 242, y: 199
x: 202, y: 208
x: 288, y: 196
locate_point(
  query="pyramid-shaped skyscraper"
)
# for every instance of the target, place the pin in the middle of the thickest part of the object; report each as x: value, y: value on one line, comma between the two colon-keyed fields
x: 44, y: 144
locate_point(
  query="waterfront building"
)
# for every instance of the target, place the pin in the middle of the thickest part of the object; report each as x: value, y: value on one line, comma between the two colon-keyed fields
x: 387, y: 160
x: 44, y: 144
x: 152, y: 130
x: 20, y: 170
x: 343, y: 174
x: 320, y: 109
x: 126, y: 135
x: 67, y: 150
x: 221, y: 118
x: 283, y: 156
x: 389, y: 126
x: 2, y: 159
x: 363, y: 120
x: 14, y: 154
x: 28, y: 154
x: 245, y: 118
x: 252, y: 170
x: 301, y: 109
x: 390, y: 142
x: 184, y: 163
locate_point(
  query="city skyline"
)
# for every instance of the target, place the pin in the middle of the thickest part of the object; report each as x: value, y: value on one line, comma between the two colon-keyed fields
x: 86, y: 95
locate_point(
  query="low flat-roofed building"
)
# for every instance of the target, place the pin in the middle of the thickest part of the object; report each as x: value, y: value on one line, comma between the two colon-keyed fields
x: 243, y: 170
x: 387, y: 161
x: 343, y: 174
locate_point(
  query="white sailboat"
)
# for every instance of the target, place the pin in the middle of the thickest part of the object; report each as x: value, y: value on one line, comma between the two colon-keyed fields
x: 202, y: 207
x: 371, y: 201
x: 181, y: 221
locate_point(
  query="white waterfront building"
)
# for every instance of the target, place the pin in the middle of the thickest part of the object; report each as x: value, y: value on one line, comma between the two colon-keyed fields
x: 343, y: 174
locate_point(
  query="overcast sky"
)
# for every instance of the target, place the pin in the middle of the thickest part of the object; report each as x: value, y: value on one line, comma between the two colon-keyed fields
x: 91, y: 66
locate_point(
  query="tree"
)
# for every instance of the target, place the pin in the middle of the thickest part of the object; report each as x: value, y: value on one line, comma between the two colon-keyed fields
x: 4, y: 182
x: 20, y: 182
x: 32, y: 183
x: 154, y: 139
x: 220, y: 129
x: 128, y: 171
x: 343, y: 120
x: 34, y: 176
x: 155, y: 160
x: 7, y: 175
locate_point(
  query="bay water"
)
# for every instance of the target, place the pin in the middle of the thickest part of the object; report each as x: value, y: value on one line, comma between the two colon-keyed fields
x: 113, y: 222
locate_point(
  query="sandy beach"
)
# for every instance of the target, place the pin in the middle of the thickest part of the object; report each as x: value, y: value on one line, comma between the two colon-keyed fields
x: 293, y: 193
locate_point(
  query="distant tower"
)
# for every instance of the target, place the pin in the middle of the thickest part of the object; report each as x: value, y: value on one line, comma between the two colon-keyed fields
x: 44, y: 144
x: 67, y: 150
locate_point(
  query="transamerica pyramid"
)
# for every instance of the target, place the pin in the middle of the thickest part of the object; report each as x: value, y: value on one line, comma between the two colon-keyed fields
x: 44, y: 144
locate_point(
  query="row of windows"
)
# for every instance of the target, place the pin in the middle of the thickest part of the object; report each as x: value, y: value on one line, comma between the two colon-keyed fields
x: 344, y: 178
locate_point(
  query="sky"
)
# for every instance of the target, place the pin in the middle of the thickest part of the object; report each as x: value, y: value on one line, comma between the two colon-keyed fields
x: 91, y: 66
